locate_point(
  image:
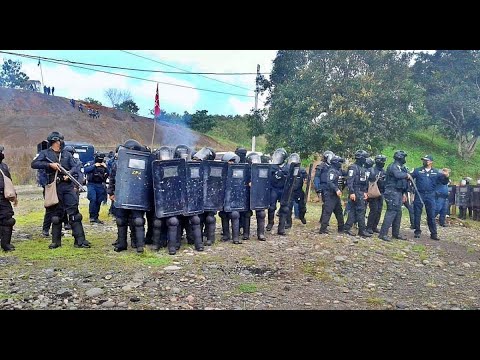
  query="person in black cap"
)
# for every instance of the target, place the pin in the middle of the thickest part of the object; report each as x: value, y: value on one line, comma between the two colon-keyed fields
x: 427, y: 178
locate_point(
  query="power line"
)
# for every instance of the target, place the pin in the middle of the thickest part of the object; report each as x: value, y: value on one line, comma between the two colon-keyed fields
x: 129, y: 76
x: 142, y: 70
x: 186, y: 71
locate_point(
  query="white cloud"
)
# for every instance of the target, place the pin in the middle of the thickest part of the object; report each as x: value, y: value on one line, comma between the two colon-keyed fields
x: 241, y: 107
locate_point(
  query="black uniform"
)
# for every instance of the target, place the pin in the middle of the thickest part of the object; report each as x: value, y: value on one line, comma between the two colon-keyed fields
x: 298, y: 196
x: 278, y: 178
x: 376, y: 204
x: 357, y: 183
x: 68, y: 198
x: 6, y: 211
x: 332, y: 202
x: 396, y: 186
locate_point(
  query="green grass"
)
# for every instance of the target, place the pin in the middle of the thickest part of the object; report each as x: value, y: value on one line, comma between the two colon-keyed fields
x: 444, y: 151
x: 317, y: 270
x: 247, y: 260
x: 375, y: 301
x: 247, y: 288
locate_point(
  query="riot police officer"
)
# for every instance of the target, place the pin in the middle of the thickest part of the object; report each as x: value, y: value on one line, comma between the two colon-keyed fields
x: 254, y: 158
x: 463, y: 199
x: 6, y: 211
x: 123, y: 215
x: 68, y: 199
x: 427, y: 178
x: 333, y: 194
x: 298, y: 195
x: 320, y: 179
x: 77, y: 172
x: 96, y: 172
x: 376, y: 204
x: 357, y: 183
x: 279, y: 172
x: 396, y: 187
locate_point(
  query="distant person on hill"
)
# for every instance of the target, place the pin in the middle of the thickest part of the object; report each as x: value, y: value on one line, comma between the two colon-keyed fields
x: 73, y: 103
x: 44, y: 89
x: 53, y: 89
x: 80, y: 107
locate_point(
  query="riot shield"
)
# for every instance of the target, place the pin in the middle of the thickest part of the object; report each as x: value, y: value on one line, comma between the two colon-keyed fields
x: 194, y: 189
x: 169, y: 180
x: 293, y: 173
x: 133, y: 182
x: 452, y: 189
x: 260, y: 187
x: 215, y: 175
x: 475, y: 196
x: 462, y: 196
x: 236, y: 188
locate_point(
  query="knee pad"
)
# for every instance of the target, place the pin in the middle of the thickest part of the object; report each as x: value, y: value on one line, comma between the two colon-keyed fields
x: 76, y: 218
x: 157, y: 223
x: 260, y: 214
x: 210, y: 219
x: 56, y: 220
x: 173, y: 221
x: 234, y: 215
x: 9, y: 222
x: 121, y: 221
x: 139, y: 221
x: 222, y: 214
x: 195, y: 220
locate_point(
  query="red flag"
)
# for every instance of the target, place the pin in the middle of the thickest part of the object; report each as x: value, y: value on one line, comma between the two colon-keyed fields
x: 157, y: 105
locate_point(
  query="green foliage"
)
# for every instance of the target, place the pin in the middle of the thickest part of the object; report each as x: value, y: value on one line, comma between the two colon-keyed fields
x: 340, y: 100
x: 90, y: 100
x: 11, y: 76
x: 450, y: 78
x: 201, y: 121
x: 129, y: 106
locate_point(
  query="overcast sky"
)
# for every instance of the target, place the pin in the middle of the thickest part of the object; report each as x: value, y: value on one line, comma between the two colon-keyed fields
x: 71, y: 82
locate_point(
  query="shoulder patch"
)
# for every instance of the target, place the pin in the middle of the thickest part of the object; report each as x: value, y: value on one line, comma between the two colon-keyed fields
x: 350, y: 172
x: 332, y: 176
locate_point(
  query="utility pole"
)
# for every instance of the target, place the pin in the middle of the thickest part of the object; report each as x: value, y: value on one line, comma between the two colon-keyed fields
x: 257, y: 80
x: 41, y: 73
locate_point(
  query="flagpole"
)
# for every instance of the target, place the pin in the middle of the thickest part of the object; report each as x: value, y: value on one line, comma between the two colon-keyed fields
x: 154, y: 119
x: 41, y: 73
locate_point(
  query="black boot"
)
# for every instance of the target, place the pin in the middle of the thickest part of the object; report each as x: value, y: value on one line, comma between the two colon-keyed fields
x: 260, y: 225
x: 6, y: 238
x: 77, y: 232
x: 121, y: 244
x: 172, y: 224
x: 271, y: 217
x: 156, y: 234
x: 282, y: 221
x: 246, y: 227
x: 225, y: 227
x: 56, y: 236
x: 235, y: 217
x: 210, y: 226
x: 196, y: 232
x: 323, y: 229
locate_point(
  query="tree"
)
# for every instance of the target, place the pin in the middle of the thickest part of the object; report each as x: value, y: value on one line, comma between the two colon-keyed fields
x: 128, y: 106
x: 340, y: 100
x: 11, y: 76
x: 452, y: 82
x: 117, y: 96
x: 201, y: 121
x: 89, y: 100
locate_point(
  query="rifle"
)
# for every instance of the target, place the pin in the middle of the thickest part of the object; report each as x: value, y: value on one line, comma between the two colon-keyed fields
x: 418, y: 194
x: 309, y: 180
x: 64, y: 171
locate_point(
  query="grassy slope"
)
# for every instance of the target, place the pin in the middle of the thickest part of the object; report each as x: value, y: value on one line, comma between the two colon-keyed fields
x: 233, y: 134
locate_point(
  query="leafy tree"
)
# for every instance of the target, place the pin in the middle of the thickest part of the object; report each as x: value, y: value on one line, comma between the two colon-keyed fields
x: 340, y: 100
x: 452, y: 82
x: 128, y: 106
x: 89, y: 100
x: 11, y: 76
x: 117, y: 96
x: 201, y: 121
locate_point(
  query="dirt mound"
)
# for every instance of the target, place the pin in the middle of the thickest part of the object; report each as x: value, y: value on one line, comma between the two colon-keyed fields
x: 27, y: 117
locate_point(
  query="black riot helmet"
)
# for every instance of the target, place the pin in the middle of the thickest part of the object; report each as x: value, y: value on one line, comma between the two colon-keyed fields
x: 328, y: 156
x: 380, y: 160
x: 55, y: 136
x: 133, y: 145
x: 231, y: 156
x: 337, y: 161
x: 205, y: 153
x: 242, y: 154
x: 254, y: 158
x: 369, y: 163
x: 400, y: 156
x: 99, y: 157
x: 294, y: 158
x: 164, y: 153
x: 265, y: 159
x: 183, y: 152
x: 279, y: 156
